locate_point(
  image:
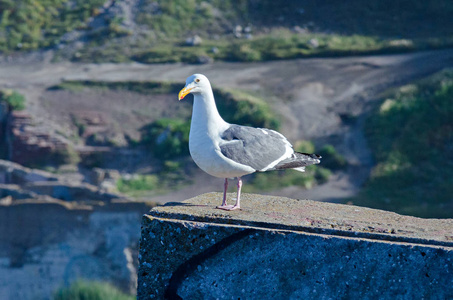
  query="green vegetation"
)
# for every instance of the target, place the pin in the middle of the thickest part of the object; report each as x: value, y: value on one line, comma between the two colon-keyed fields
x: 411, y: 134
x: 313, y: 175
x: 167, y: 138
x: 176, y: 17
x: 31, y: 24
x: 170, y: 177
x: 240, y: 107
x: 89, y: 290
x: 303, y: 146
x: 55, y: 158
x: 277, y: 45
x: 142, y: 87
x: 364, y: 28
x: 331, y: 159
x: 13, y: 99
x: 138, y: 183
x: 280, y: 179
x: 163, y: 26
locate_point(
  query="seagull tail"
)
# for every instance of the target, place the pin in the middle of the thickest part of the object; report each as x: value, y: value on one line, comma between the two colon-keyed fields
x: 298, y: 161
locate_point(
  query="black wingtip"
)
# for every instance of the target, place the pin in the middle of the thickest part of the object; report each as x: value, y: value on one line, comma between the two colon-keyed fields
x: 316, y: 156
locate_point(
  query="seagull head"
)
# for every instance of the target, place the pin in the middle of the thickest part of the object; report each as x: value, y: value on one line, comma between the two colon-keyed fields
x: 197, y: 83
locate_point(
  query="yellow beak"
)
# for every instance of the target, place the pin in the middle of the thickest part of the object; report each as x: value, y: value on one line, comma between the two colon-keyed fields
x: 184, y: 93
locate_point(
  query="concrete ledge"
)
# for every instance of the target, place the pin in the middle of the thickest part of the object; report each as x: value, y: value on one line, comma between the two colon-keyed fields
x: 280, y: 248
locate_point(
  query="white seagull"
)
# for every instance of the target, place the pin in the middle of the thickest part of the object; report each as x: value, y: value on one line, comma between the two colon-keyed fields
x: 227, y: 150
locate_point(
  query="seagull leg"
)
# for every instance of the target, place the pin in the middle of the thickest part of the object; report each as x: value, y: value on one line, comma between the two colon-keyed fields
x: 224, y: 206
x: 238, y: 200
x: 225, y: 189
x: 224, y: 202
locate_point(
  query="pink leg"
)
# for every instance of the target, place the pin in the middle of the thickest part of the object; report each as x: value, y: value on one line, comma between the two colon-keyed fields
x: 225, y: 189
x: 238, y: 200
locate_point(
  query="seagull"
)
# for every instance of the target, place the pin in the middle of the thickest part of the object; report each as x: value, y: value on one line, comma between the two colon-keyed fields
x: 231, y: 151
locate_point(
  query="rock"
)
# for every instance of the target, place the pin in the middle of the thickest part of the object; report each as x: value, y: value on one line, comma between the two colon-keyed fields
x: 71, y: 191
x: 3, y: 112
x: 13, y: 173
x: 108, y: 186
x: 401, y: 43
x: 299, y: 30
x: 314, y: 43
x: 23, y: 183
x: 8, y: 200
x: 47, y: 245
x: 35, y: 144
x: 97, y: 176
x: 215, y: 50
x: 71, y: 36
x: 112, y: 175
x: 106, y: 180
x: 98, y: 129
x: 204, y: 59
x: 15, y: 192
x: 194, y: 40
x: 237, y: 31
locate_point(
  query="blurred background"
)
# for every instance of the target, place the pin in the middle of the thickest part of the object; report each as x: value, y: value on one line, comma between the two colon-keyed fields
x: 92, y: 134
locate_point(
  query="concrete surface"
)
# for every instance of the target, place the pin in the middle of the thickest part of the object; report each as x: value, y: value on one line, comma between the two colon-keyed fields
x: 280, y: 248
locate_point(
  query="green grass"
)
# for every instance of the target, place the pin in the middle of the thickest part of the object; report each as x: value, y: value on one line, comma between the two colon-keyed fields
x: 138, y: 183
x: 313, y: 175
x: 27, y: 25
x: 142, y: 87
x: 167, y: 138
x: 268, y: 181
x: 331, y: 159
x: 346, y: 28
x: 241, y: 107
x: 89, y: 290
x: 411, y: 134
x: 171, y: 177
x: 277, y: 45
x: 13, y: 99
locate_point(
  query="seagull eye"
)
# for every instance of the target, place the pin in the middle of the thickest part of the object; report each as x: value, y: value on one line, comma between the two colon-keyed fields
x: 197, y: 80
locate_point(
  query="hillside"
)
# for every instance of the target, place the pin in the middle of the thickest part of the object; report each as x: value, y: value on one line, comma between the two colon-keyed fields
x: 201, y: 31
x: 411, y: 136
x: 105, y: 105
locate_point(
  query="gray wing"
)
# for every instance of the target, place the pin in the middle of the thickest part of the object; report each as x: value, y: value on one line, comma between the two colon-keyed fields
x: 254, y: 147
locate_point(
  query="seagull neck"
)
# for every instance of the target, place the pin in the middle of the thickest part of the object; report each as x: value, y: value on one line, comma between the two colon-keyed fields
x: 206, y: 113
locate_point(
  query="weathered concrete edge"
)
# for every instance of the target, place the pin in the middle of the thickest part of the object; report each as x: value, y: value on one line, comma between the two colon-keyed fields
x: 161, y: 273
x: 298, y: 228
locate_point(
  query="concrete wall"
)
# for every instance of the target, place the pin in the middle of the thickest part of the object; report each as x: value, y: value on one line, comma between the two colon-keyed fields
x: 47, y: 245
x: 279, y: 248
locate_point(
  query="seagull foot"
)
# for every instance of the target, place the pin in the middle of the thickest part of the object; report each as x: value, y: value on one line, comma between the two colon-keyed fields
x: 228, y: 207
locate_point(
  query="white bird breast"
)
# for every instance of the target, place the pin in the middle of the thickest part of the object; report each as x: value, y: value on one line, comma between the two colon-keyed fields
x: 209, y: 158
